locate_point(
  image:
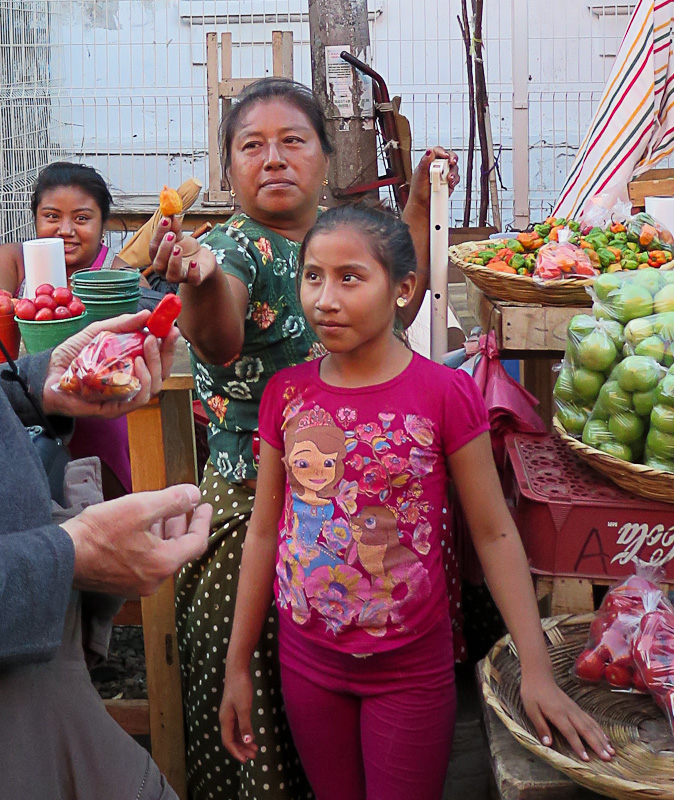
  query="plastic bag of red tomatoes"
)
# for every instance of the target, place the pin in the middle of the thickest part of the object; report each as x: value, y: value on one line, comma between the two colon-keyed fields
x: 653, y: 656
x: 609, y: 653
x: 105, y: 369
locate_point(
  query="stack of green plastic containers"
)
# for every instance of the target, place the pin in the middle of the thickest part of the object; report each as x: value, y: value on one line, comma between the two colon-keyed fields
x: 107, y: 292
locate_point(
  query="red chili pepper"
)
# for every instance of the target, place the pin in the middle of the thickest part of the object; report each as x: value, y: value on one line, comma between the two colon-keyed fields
x: 162, y: 318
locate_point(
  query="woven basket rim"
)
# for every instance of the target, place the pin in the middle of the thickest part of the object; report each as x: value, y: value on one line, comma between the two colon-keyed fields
x: 572, y: 766
x: 591, y: 453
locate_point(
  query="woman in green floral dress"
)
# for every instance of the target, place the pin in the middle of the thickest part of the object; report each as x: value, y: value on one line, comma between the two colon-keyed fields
x: 243, y: 322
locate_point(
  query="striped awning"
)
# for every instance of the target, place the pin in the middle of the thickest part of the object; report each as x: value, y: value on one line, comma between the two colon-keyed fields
x: 633, y: 126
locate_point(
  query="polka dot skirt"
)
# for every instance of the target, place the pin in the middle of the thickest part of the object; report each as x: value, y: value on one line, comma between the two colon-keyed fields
x: 205, y: 598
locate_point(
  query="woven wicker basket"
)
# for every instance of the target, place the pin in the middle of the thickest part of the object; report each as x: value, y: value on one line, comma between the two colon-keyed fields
x: 656, y: 484
x: 519, y: 288
x: 643, y: 766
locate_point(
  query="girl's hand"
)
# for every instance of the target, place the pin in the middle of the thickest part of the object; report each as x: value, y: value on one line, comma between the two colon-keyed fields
x: 546, y: 704
x: 420, y: 185
x: 179, y: 258
x: 236, y: 729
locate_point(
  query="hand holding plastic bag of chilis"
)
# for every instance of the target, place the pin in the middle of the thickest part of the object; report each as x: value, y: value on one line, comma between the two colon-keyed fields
x: 105, y: 369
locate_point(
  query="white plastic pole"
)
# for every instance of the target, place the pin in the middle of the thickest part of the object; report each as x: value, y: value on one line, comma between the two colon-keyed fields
x: 439, y: 240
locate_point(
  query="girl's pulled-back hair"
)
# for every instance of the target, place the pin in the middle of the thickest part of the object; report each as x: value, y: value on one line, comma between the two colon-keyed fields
x: 65, y: 173
x: 296, y: 94
x: 388, y: 237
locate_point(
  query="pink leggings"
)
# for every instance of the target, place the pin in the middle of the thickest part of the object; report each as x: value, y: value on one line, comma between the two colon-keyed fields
x: 375, y: 728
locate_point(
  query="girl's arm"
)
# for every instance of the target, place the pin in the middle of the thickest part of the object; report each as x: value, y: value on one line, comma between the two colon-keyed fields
x: 214, y: 304
x: 11, y: 271
x: 253, y: 600
x: 506, y: 570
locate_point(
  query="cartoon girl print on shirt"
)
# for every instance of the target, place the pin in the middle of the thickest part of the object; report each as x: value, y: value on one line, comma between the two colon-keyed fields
x: 314, y: 459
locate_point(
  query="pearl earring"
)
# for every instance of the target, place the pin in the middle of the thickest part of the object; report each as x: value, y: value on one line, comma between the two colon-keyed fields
x: 401, y: 302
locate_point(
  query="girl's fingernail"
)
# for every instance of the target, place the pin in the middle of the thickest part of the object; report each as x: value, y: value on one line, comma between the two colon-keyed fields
x: 606, y: 754
x: 193, y: 264
x: 170, y: 237
x: 547, y: 741
x: 428, y: 152
x: 585, y: 756
x: 165, y: 222
x: 247, y: 739
x: 176, y: 251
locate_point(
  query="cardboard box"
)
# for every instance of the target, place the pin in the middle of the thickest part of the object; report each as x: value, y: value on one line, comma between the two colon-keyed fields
x: 575, y: 522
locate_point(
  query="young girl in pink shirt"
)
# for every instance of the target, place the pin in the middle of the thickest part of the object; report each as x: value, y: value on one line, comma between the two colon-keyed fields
x: 358, y: 452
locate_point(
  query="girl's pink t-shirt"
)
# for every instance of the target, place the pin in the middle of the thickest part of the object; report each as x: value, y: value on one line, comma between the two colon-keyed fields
x: 366, y: 517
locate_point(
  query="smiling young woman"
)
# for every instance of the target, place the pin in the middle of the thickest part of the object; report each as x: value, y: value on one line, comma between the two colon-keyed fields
x: 70, y: 202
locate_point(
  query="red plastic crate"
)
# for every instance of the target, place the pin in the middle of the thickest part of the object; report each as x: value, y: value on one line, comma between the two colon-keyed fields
x: 575, y: 522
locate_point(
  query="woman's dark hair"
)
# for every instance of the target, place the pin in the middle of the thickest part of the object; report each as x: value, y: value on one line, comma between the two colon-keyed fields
x: 296, y: 94
x: 65, y: 173
x: 387, y: 236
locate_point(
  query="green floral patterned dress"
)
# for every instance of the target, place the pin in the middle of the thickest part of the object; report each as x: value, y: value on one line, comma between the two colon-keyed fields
x: 276, y: 335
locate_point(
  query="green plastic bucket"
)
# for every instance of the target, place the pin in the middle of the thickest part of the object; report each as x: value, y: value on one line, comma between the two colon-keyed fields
x: 45, y: 334
x: 105, y: 309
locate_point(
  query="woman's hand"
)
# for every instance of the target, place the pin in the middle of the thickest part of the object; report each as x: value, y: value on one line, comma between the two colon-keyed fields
x: 546, y: 704
x: 235, y: 726
x: 180, y: 258
x: 420, y: 185
x: 151, y: 370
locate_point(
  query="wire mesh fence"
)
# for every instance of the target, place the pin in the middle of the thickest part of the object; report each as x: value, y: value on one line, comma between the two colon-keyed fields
x: 121, y: 85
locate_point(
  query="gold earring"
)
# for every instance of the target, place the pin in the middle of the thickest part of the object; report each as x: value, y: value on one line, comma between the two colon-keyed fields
x: 401, y: 302
x: 325, y: 182
x: 232, y: 192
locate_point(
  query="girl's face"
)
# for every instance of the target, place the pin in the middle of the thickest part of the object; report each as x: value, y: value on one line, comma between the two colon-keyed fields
x: 346, y: 294
x: 277, y: 163
x: 69, y: 213
x: 312, y: 469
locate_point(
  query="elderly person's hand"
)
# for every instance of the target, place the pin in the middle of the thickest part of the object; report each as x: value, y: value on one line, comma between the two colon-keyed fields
x: 420, y: 185
x: 132, y: 544
x: 178, y: 257
x: 151, y: 369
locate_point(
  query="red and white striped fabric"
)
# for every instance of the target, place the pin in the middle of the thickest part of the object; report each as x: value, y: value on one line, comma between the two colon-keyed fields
x: 633, y: 126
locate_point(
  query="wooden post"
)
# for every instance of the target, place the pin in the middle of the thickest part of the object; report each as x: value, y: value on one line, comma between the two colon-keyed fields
x: 343, y: 25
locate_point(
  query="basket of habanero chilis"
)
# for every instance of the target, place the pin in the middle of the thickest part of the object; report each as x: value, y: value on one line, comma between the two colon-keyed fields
x: 105, y: 369
x: 503, y: 269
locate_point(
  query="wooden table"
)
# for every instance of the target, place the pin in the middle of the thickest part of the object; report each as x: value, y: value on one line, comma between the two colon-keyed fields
x: 533, y: 333
x: 131, y: 211
x: 161, y: 444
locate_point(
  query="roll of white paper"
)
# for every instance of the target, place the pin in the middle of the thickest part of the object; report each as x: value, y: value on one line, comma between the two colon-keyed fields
x: 662, y: 208
x: 44, y: 261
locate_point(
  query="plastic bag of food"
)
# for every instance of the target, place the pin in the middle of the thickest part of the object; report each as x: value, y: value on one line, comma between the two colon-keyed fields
x: 653, y: 655
x: 650, y: 234
x: 608, y: 655
x: 105, y: 368
x: 556, y: 261
x: 610, y: 206
x: 625, y: 296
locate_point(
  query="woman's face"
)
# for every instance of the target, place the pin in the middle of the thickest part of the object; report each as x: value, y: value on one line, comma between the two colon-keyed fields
x: 277, y: 163
x: 69, y: 213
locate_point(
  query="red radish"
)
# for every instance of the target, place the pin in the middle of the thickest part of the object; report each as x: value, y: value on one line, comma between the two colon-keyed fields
x: 62, y: 295
x: 44, y: 288
x: 45, y: 301
x: 44, y: 314
x: 62, y: 312
x: 25, y: 309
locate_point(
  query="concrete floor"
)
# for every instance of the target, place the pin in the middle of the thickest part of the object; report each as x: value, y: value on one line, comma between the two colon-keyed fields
x: 469, y: 774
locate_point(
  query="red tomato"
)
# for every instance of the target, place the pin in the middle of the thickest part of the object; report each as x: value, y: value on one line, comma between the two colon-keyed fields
x: 6, y: 306
x: 45, y: 301
x: 62, y: 295
x: 44, y: 288
x: 44, y: 314
x: 600, y: 624
x: 5, y: 293
x: 76, y: 307
x: 25, y: 309
x: 638, y: 682
x: 589, y: 666
x: 618, y: 676
x: 62, y: 312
